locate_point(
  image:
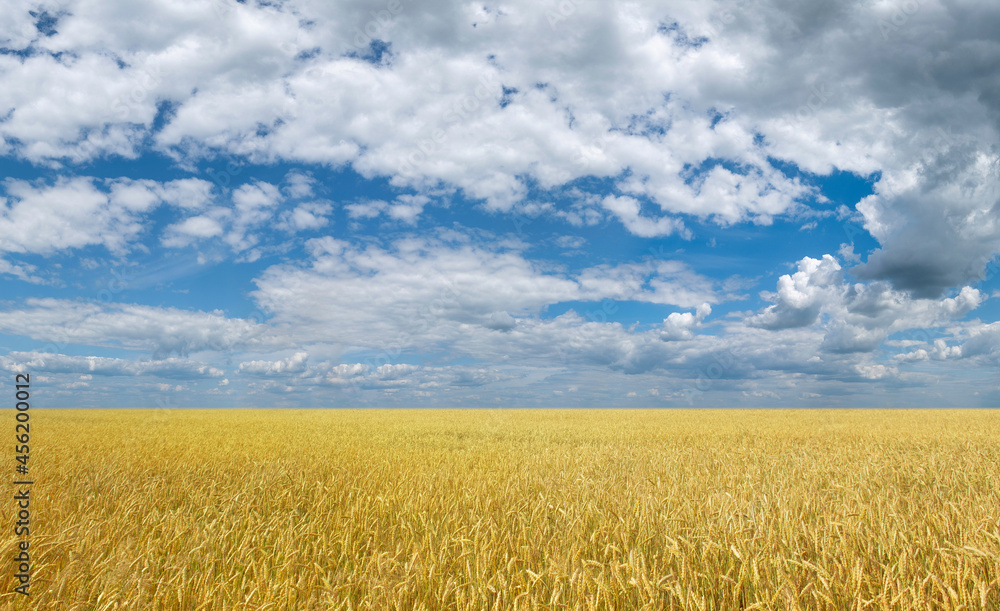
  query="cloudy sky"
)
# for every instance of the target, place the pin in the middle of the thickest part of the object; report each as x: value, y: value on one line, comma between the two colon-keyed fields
x: 537, y: 203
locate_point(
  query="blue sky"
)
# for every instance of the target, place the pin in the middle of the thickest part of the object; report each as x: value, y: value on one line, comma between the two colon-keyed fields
x: 516, y: 204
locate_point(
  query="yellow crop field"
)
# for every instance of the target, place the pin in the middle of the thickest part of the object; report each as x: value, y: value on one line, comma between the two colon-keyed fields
x: 512, y: 509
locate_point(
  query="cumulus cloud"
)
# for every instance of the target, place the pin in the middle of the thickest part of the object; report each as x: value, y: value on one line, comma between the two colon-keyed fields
x: 938, y: 225
x: 487, y: 304
x: 371, y: 375
x: 191, y: 229
x: 662, y: 104
x: 71, y: 213
x: 163, y: 331
x: 75, y: 212
x: 664, y: 120
x: 103, y: 366
x: 481, y: 113
x: 865, y: 315
x: 306, y: 216
x: 984, y: 342
x: 941, y: 351
x: 299, y: 184
x: 21, y: 272
x: 859, y: 316
x: 422, y: 291
x: 293, y: 364
x: 627, y: 210
x: 801, y: 295
x: 405, y: 208
x: 254, y: 207
x: 977, y: 342
x: 189, y: 193
x: 254, y: 204
x: 842, y: 337
x: 682, y: 325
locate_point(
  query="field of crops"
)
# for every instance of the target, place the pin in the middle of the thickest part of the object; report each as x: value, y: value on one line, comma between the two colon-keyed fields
x: 512, y: 509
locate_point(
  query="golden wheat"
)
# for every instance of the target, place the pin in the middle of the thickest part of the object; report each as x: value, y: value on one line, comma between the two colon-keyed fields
x: 512, y: 509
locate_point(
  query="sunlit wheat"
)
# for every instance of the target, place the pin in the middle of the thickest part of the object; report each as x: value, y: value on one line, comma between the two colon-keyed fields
x: 479, y: 509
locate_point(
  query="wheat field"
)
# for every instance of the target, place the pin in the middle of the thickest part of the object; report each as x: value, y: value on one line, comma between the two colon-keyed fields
x: 512, y: 509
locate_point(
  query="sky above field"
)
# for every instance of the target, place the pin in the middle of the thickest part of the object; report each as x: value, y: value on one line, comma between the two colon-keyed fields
x: 538, y: 203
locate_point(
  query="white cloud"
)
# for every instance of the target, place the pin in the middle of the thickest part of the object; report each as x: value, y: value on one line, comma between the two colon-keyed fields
x: 627, y: 210
x: 357, y: 377
x: 983, y: 343
x: 102, y: 366
x: 193, y: 227
x: 941, y: 351
x: 162, y: 331
x: 875, y: 371
x: 293, y: 364
x: 298, y: 184
x: 570, y: 242
x: 937, y: 224
x: 367, y: 209
x: 190, y: 193
x: 801, y: 295
x: 255, y: 208
x: 847, y: 253
x: 405, y: 208
x: 423, y: 291
x: 683, y: 117
x: 22, y: 272
x: 842, y: 337
x: 254, y: 205
x: 71, y: 213
x: 256, y: 196
x: 670, y: 113
x: 306, y: 217
x: 682, y: 325
x: 859, y: 316
x: 82, y: 211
